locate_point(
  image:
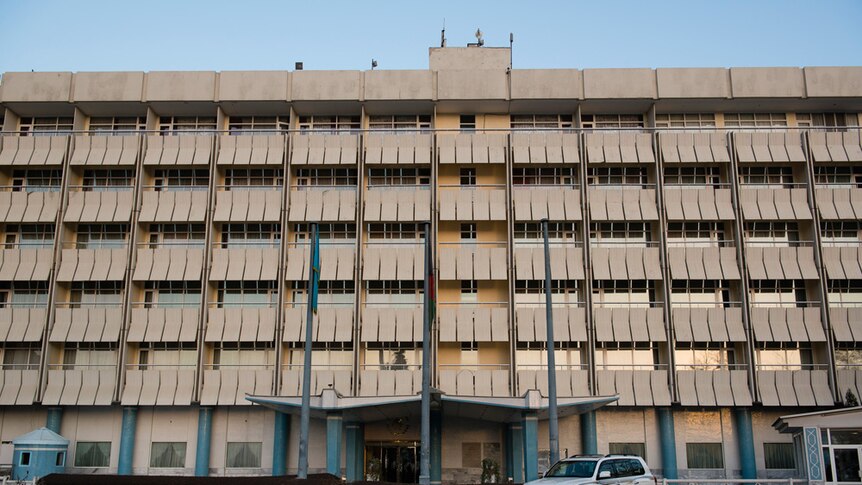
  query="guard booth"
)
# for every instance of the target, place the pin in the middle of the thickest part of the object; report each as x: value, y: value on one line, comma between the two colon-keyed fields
x: 38, y: 453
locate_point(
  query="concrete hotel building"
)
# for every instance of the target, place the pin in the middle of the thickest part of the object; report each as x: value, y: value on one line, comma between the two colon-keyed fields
x: 705, y: 231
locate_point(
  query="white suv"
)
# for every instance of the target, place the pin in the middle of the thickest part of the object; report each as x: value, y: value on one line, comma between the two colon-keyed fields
x: 603, y: 469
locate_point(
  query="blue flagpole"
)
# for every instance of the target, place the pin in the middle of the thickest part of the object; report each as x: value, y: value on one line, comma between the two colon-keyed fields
x: 311, y: 309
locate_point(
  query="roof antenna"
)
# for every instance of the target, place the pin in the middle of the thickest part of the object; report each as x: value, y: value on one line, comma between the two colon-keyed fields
x: 479, y: 40
x: 443, y: 35
x: 373, y: 64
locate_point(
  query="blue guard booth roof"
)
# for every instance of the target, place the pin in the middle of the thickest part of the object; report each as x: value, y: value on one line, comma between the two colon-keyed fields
x: 38, y: 453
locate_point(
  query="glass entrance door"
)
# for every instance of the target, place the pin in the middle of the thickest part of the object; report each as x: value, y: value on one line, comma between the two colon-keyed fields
x: 846, y: 461
x: 394, y: 461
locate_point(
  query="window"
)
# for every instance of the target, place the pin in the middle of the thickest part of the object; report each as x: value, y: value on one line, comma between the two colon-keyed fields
x: 40, y: 180
x: 252, y: 178
x: 398, y: 176
x: 695, y: 234
x: 324, y: 355
x: 783, y: 356
x: 616, y: 233
x: 329, y: 292
x: 100, y: 180
x: 776, y: 293
x: 247, y: 355
x: 168, y: 455
x: 467, y: 123
x: 777, y: 177
x: 838, y: 176
x: 841, y: 233
x: 30, y: 236
x: 632, y: 293
x: 745, y: 120
x: 616, y: 176
x: 24, y: 294
x: 332, y: 124
x: 96, y: 293
x: 638, y: 449
x: 181, y: 179
x: 527, y: 122
x: 531, y: 232
x: 247, y: 293
x: 325, y: 177
x: 699, y: 175
x: 469, y: 291
x: 60, y: 459
x: 166, y: 355
x: 544, y: 176
x: 392, y: 355
x: 820, y: 120
x: 21, y: 356
x: 102, y: 236
x: 89, y: 355
x: 534, y: 355
x: 25, y: 458
x: 533, y: 291
x: 704, y: 455
x: 399, y: 122
x: 117, y: 125
x: 410, y: 231
x: 394, y: 292
x: 845, y: 292
x: 172, y: 294
x: 848, y: 354
x: 626, y: 356
x: 772, y: 233
x: 685, y: 120
x: 45, y: 125
x: 703, y: 356
x: 242, y: 125
x: 329, y: 233
x: 187, y: 125
x: 779, y: 456
x: 699, y: 293
x: 612, y: 121
x: 468, y: 176
x: 468, y: 232
x: 93, y: 454
x: 251, y: 235
x: 177, y: 235
x: 243, y: 455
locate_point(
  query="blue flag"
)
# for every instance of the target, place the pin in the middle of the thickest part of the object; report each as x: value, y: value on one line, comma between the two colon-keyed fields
x: 315, y: 270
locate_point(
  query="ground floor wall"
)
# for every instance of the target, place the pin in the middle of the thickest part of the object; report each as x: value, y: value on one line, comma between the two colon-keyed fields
x: 464, y: 443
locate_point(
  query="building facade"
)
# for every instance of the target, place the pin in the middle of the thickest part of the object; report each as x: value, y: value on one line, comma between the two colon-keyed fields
x: 706, y: 274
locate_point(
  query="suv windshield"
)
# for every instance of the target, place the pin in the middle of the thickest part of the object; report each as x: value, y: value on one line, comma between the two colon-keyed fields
x: 575, y: 469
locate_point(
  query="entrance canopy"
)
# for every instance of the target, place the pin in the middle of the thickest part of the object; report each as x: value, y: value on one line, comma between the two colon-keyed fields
x: 494, y: 409
x: 835, y: 418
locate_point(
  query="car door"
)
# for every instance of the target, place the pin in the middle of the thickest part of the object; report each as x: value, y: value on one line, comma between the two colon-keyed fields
x: 624, y: 472
x: 607, y: 467
x: 639, y: 475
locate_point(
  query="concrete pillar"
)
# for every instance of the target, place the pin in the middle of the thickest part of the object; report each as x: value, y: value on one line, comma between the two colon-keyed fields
x: 333, y: 443
x: 279, y: 444
x: 127, y: 440
x: 436, y: 447
x: 531, y: 446
x: 589, y: 443
x: 515, y: 452
x: 745, y: 436
x: 54, y: 420
x: 355, y: 436
x: 667, y: 439
x: 202, y: 452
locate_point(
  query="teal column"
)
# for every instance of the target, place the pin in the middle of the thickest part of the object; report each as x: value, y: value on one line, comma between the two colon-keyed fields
x: 515, y: 447
x: 746, y: 443
x: 281, y: 433
x: 589, y: 444
x: 333, y: 444
x: 355, y: 436
x: 54, y: 420
x: 436, y: 447
x: 531, y: 446
x: 202, y: 452
x: 667, y: 438
x: 127, y: 440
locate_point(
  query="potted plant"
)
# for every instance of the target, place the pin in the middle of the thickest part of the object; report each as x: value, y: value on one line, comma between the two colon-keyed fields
x: 372, y: 470
x: 490, y: 471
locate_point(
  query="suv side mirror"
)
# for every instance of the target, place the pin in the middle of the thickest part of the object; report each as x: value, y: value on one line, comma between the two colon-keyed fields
x: 604, y: 474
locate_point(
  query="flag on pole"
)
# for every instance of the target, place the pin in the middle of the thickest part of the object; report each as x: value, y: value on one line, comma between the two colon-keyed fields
x: 315, y: 269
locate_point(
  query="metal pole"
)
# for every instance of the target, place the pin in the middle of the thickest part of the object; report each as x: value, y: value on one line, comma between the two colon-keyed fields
x: 302, y: 472
x: 553, y: 425
x: 425, y: 445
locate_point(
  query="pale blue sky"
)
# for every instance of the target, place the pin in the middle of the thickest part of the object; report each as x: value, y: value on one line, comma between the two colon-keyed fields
x: 147, y: 35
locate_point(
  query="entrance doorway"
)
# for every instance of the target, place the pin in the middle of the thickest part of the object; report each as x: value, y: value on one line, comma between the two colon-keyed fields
x: 392, y: 461
x: 842, y: 455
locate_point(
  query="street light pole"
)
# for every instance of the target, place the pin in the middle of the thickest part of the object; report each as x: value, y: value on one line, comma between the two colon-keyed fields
x: 553, y: 424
